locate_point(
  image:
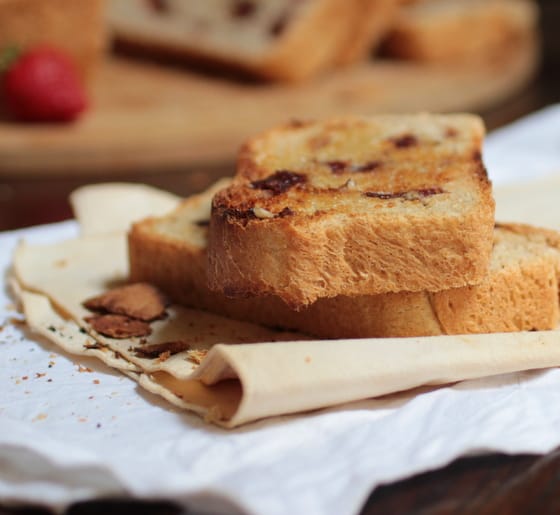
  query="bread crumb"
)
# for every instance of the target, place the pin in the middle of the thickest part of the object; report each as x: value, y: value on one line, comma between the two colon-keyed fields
x: 118, y: 326
x: 197, y: 355
x: 164, y: 356
x: 165, y: 349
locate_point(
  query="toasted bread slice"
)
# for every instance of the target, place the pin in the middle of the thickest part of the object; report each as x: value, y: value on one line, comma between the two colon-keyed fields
x: 462, y: 31
x: 520, y: 291
x: 355, y: 206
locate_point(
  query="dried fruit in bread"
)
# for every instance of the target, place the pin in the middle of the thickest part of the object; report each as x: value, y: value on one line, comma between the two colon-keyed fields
x: 355, y: 206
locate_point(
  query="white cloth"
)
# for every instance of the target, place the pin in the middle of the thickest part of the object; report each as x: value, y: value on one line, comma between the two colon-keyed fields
x: 72, y: 429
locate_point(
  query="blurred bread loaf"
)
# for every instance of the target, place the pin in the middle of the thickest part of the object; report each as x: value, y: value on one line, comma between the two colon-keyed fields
x: 354, y: 206
x: 274, y: 39
x: 520, y: 291
x: 75, y: 26
x: 461, y: 31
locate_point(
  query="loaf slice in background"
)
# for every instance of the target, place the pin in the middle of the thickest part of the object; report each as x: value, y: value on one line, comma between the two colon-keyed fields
x: 519, y: 293
x: 274, y: 39
x: 457, y: 32
x: 354, y: 206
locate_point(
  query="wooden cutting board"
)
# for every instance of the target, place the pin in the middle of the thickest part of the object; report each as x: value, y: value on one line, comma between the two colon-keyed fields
x: 148, y: 117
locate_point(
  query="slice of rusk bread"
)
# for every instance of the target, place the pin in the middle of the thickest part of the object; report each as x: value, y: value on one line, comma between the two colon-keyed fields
x: 461, y: 31
x: 354, y: 206
x: 520, y: 291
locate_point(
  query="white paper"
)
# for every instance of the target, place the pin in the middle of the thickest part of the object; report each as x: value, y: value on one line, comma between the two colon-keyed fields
x: 82, y: 431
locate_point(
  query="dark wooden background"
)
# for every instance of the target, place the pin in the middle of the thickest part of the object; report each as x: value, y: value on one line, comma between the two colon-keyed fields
x: 488, y: 485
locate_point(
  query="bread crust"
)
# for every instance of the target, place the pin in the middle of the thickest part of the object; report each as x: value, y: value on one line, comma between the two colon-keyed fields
x: 325, y: 239
x: 75, y: 26
x: 519, y: 293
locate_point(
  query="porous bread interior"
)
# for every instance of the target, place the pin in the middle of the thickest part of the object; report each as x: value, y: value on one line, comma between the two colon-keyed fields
x: 513, y: 248
x: 519, y: 293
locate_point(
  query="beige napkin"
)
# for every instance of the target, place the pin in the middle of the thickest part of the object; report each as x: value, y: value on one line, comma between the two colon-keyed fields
x: 239, y: 380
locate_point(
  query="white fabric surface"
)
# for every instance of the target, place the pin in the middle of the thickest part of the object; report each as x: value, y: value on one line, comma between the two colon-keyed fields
x: 74, y: 433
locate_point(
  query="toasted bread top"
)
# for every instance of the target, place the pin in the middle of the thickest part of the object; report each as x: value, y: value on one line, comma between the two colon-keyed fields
x: 386, y: 163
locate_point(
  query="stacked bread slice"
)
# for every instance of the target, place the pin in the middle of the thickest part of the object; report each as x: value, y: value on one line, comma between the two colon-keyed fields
x: 368, y: 227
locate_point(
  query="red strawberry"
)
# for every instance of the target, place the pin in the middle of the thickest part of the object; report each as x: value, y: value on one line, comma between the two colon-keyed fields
x: 43, y: 86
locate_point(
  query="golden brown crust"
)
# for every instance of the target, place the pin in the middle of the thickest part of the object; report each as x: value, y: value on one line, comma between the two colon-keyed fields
x: 518, y: 293
x: 387, y: 204
x: 76, y: 26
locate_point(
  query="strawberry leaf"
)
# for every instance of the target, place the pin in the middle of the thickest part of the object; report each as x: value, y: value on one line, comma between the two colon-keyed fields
x: 9, y: 56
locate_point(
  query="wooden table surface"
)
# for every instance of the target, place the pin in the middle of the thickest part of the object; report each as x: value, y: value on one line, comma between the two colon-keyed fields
x: 491, y: 484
